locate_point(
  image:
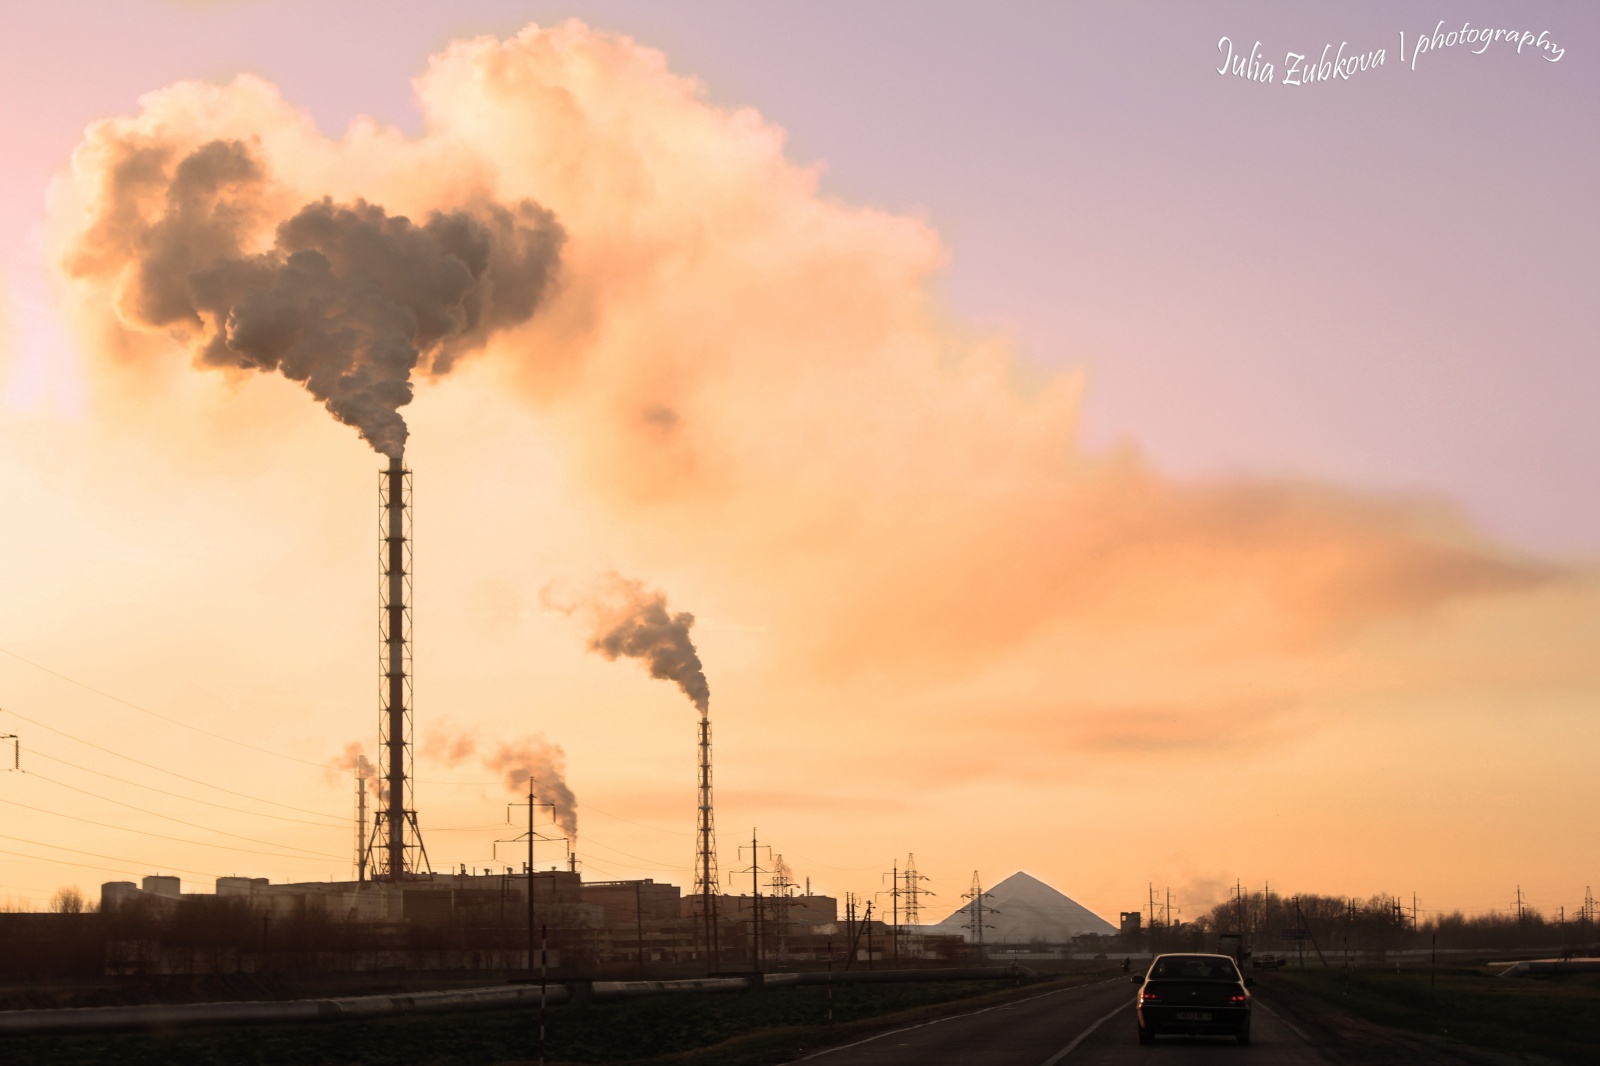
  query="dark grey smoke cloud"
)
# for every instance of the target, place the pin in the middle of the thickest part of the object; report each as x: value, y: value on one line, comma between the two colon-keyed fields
x: 349, y: 301
x: 641, y: 627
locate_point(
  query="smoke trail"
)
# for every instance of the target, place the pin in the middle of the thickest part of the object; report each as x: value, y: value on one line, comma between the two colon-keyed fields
x: 348, y: 301
x: 546, y: 763
x: 354, y: 759
x: 637, y: 625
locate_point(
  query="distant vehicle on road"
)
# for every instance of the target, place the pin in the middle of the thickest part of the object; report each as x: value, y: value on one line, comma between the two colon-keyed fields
x: 1199, y: 995
x: 1269, y: 962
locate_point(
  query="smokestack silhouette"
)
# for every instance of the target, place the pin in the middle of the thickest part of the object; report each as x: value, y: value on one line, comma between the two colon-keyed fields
x: 348, y: 300
x: 637, y: 625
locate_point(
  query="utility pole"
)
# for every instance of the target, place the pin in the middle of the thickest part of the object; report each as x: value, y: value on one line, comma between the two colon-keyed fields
x: 1519, y: 905
x: 755, y: 871
x: 537, y: 935
x: 894, y: 909
x: 532, y: 804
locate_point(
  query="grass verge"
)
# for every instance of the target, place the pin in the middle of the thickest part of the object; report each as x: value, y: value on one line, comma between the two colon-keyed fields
x: 1558, y: 1018
x: 681, y: 1030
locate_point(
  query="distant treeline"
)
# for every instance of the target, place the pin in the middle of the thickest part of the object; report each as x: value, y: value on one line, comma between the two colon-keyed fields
x: 1380, y: 923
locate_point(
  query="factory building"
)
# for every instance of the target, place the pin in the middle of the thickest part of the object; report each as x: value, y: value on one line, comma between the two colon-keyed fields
x: 474, y: 920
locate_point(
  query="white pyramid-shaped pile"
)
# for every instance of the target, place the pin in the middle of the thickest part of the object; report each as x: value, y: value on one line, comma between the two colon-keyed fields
x: 1025, y: 909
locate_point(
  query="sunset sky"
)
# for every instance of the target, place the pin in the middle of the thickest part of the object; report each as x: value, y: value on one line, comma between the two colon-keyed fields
x: 1075, y: 460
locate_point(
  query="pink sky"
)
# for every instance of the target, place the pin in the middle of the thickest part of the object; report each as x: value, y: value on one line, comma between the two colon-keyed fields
x: 1228, y: 440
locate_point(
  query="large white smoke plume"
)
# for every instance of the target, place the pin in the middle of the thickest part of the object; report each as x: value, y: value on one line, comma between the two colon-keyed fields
x: 754, y: 385
x: 344, y: 298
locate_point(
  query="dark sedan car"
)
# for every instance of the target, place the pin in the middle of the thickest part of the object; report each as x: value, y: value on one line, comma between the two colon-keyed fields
x: 1201, y: 995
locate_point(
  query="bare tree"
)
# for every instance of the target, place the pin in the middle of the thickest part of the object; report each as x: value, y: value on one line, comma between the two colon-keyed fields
x: 67, y: 900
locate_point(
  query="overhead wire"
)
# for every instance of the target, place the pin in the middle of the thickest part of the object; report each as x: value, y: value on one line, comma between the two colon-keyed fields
x: 100, y: 855
x: 179, y: 840
x: 160, y: 769
x: 587, y: 840
x: 331, y: 824
x: 156, y: 714
x: 183, y: 821
x: 641, y: 825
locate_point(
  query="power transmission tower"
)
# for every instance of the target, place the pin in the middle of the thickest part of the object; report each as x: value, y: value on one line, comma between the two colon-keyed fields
x: 914, y: 891
x: 783, y: 888
x: 976, y: 911
x: 1519, y: 905
x: 911, y: 893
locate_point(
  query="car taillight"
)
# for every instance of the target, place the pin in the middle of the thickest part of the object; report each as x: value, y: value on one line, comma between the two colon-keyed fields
x: 1148, y: 997
x: 1238, y: 997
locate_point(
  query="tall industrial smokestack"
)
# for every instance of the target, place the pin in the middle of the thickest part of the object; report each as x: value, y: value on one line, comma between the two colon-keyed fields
x: 706, y: 875
x: 395, y: 829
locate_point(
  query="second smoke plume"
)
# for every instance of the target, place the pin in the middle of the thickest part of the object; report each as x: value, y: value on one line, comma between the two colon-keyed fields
x: 634, y: 623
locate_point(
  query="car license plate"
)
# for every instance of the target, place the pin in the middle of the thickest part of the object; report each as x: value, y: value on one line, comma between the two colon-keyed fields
x: 1194, y: 1016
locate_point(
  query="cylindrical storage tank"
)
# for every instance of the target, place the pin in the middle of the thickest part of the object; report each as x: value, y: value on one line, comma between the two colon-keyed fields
x: 114, y: 894
x: 162, y: 885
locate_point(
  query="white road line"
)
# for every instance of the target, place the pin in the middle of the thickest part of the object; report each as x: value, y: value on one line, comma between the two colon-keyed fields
x: 953, y: 1017
x: 1081, y: 1037
x: 1293, y: 1028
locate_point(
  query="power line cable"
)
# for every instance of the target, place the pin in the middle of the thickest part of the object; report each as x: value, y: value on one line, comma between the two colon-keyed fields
x: 617, y: 817
x: 588, y: 840
x: 182, y: 821
x: 99, y: 855
x: 335, y: 824
x: 156, y: 714
x: 179, y: 840
x: 163, y: 770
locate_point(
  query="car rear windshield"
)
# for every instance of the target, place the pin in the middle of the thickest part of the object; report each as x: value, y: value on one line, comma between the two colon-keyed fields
x: 1194, y: 968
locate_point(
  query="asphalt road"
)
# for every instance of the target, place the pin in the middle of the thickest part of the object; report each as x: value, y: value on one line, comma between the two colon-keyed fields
x: 1090, y: 1024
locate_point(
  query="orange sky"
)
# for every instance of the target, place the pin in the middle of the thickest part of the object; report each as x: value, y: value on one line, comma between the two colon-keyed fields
x: 933, y: 620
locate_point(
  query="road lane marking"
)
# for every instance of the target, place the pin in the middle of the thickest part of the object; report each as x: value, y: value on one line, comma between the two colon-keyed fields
x: 1293, y: 1028
x: 953, y: 1017
x: 1064, y: 1052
